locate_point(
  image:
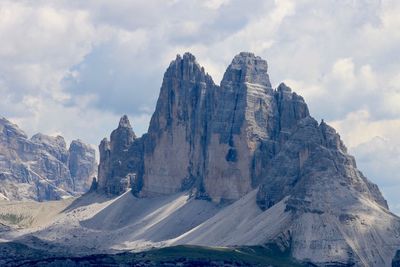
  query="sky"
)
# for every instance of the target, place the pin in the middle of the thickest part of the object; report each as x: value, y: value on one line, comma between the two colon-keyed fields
x: 74, y: 67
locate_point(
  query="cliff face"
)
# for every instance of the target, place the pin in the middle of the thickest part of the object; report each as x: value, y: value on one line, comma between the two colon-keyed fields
x: 41, y: 168
x: 248, y: 124
x: 175, y: 145
x: 314, y: 169
x: 121, y: 160
x: 82, y: 165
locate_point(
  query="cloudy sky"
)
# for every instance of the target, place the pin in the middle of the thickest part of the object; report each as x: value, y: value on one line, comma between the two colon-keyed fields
x: 73, y: 67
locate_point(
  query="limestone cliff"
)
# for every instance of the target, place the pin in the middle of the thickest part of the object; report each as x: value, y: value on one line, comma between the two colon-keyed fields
x: 121, y: 160
x: 175, y: 147
x: 82, y: 165
x: 41, y: 168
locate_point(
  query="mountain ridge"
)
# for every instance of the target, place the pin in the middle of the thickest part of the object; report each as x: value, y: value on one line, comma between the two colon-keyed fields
x: 241, y: 138
x: 41, y: 167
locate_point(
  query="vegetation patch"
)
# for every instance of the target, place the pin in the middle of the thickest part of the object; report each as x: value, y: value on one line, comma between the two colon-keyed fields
x: 170, y: 256
x: 15, y: 219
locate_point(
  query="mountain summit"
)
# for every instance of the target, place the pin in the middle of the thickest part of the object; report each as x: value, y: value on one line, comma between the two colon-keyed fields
x: 245, y: 143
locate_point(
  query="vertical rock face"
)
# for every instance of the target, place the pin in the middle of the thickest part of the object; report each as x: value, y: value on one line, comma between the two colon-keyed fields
x: 41, y: 168
x: 174, y: 146
x: 246, y: 127
x: 311, y: 163
x: 121, y: 160
x: 82, y: 165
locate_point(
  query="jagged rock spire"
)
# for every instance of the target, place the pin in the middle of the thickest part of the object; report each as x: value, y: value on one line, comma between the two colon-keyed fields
x: 124, y: 122
x: 123, y: 136
x: 120, y: 159
x: 247, y: 68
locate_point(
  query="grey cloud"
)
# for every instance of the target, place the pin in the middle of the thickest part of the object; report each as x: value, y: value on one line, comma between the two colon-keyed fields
x: 131, y: 87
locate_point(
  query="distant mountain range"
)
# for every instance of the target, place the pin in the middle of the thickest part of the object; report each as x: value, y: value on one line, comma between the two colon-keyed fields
x: 42, y: 168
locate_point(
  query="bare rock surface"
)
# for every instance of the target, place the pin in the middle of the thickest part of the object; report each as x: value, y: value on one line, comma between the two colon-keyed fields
x: 42, y: 168
x: 82, y: 165
x: 121, y: 160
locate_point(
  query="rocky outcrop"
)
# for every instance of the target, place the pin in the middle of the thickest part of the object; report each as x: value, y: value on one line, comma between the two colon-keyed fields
x: 121, y: 160
x: 82, y: 165
x: 309, y: 165
x: 41, y: 168
x: 175, y: 147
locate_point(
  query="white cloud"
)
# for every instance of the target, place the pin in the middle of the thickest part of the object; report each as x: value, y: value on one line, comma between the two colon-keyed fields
x: 39, y: 46
x: 358, y: 127
x: 379, y: 159
x: 215, y: 4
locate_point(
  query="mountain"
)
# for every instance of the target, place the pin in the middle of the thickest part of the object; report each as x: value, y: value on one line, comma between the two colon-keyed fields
x: 42, y: 168
x: 233, y: 167
x: 245, y: 140
x: 206, y: 137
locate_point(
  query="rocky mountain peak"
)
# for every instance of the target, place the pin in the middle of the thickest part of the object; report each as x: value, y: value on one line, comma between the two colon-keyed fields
x: 245, y: 142
x: 187, y: 56
x: 124, y: 122
x: 8, y: 128
x: 121, y: 159
x: 247, y: 68
x: 42, y: 167
x: 49, y: 140
x: 185, y: 68
x: 284, y: 88
x: 123, y: 136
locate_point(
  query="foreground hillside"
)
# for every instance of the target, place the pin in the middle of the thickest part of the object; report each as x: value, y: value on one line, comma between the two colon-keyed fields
x: 96, y: 224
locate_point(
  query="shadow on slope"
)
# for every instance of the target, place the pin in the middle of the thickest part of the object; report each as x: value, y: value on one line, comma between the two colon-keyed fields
x: 152, y: 219
x: 87, y: 199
